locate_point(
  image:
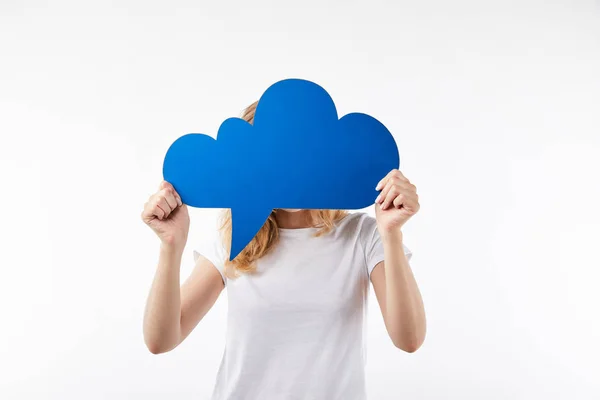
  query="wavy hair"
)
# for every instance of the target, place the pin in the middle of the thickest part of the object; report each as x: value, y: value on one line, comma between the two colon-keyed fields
x: 268, y: 235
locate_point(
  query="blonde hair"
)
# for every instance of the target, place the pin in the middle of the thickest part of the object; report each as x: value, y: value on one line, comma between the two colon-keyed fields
x: 268, y: 235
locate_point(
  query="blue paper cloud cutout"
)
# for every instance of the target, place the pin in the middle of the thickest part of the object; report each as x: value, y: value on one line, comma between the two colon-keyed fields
x: 297, y: 154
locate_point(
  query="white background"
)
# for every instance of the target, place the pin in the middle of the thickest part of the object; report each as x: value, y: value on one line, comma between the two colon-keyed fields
x: 496, y: 110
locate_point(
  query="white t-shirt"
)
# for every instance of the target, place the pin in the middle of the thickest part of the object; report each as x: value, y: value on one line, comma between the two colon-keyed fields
x: 296, y: 328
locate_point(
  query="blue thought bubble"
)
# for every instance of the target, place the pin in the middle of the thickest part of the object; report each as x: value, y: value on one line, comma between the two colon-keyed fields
x: 297, y: 154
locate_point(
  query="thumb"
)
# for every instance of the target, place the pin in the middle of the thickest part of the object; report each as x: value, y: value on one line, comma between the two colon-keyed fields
x: 164, y: 185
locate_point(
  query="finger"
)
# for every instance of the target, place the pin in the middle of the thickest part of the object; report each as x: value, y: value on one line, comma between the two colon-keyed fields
x: 147, y: 213
x: 153, y: 210
x: 399, y: 201
x: 400, y: 175
x: 161, y: 202
x: 410, y: 205
x: 383, y: 194
x: 169, y: 186
x: 392, y: 194
x: 177, y: 197
x: 165, y: 185
x: 383, y: 181
x: 391, y: 182
x: 394, y: 175
x: 170, y: 198
x: 159, y: 212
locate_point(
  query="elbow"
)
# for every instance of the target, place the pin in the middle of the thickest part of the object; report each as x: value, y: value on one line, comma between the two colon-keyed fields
x: 408, y: 343
x: 159, y: 340
x: 408, y: 347
x: 155, y: 348
x: 158, y: 346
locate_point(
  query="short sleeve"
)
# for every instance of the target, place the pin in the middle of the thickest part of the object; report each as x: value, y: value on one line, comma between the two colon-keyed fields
x: 373, y: 245
x: 215, y: 253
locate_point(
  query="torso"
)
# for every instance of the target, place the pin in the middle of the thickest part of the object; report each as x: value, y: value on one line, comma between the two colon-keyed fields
x: 296, y: 326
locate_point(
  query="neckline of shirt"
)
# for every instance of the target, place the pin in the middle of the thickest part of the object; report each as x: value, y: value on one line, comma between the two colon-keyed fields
x: 297, y: 232
x: 307, y: 232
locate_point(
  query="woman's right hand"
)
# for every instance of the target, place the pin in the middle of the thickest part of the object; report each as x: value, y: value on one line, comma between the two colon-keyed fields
x: 167, y: 216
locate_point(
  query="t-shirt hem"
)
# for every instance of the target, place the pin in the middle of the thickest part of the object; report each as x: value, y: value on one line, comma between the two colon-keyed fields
x: 374, y: 263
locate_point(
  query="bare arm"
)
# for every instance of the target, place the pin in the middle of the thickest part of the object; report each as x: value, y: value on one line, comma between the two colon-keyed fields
x: 395, y: 286
x: 198, y: 294
x: 172, y: 311
x: 399, y: 297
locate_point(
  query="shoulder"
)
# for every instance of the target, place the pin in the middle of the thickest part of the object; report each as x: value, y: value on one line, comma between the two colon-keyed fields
x: 359, y: 222
x: 215, y: 252
x: 360, y: 226
x: 363, y: 228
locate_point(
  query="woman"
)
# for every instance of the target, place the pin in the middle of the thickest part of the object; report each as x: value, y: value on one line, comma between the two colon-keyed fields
x: 297, y: 293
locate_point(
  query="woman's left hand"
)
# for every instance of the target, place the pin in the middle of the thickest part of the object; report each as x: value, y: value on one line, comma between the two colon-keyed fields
x: 397, y: 202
